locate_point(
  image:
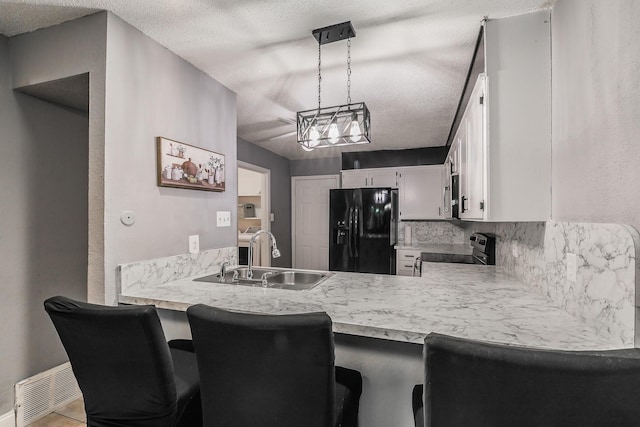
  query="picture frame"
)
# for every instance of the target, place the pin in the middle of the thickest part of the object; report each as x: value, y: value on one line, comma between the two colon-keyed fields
x: 183, y: 165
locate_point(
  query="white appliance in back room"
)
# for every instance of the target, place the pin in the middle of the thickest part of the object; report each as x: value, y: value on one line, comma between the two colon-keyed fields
x: 243, y: 246
x: 252, y: 207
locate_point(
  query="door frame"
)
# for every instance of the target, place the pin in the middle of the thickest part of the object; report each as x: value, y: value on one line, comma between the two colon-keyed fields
x: 265, y: 204
x: 294, y: 181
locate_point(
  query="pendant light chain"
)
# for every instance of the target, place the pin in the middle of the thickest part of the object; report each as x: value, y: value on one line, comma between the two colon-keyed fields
x: 349, y: 71
x: 319, y: 74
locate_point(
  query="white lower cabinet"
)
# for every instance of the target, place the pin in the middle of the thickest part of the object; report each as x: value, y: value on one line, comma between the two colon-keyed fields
x: 420, y: 190
x: 405, y: 261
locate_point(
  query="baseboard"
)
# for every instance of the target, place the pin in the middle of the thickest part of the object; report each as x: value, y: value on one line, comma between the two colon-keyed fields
x: 8, y: 420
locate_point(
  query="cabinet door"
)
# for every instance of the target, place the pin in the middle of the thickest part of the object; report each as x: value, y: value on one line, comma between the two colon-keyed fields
x: 473, y: 180
x: 446, y: 190
x: 249, y: 182
x: 383, y: 178
x: 354, y: 178
x: 420, y: 192
x: 405, y: 261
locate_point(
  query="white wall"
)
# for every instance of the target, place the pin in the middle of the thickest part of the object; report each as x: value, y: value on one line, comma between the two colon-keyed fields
x: 151, y: 92
x: 596, y: 111
x: 43, y: 225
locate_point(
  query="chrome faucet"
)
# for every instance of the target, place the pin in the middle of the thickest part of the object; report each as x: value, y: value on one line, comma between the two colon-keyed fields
x: 223, y: 270
x: 274, y: 249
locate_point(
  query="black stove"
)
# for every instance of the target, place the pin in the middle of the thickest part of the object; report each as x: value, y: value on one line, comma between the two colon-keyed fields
x: 483, y: 252
x: 484, y: 248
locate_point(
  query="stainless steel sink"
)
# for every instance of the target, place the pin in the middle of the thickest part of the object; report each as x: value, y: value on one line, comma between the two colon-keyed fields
x: 273, y: 278
x: 296, y: 279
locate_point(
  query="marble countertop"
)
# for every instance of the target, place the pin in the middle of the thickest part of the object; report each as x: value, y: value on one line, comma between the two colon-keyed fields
x: 438, y: 248
x: 471, y: 301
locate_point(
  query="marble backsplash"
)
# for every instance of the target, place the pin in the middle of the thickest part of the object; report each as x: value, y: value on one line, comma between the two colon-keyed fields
x: 143, y: 274
x: 432, y: 232
x: 604, y: 292
x: 450, y: 232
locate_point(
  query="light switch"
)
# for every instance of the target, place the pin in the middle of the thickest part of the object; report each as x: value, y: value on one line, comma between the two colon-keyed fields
x: 194, y: 244
x: 223, y: 218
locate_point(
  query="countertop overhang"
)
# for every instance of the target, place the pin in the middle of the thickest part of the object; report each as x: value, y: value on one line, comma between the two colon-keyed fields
x: 468, y: 301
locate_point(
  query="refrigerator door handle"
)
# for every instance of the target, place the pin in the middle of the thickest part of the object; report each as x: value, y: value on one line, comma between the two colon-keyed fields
x: 356, y: 231
x: 350, y: 233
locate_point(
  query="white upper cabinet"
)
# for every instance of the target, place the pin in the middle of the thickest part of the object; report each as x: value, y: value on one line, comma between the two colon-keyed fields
x: 472, y: 146
x: 420, y: 192
x: 249, y: 182
x: 504, y: 136
x: 375, y: 177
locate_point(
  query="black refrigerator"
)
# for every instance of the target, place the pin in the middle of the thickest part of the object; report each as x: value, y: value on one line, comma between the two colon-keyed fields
x: 363, y: 225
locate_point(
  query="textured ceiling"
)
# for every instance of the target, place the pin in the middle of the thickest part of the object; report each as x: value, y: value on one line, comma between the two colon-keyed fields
x: 409, y: 57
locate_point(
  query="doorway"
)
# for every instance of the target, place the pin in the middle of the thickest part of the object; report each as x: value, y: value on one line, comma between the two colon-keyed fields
x: 310, y: 220
x: 254, y: 207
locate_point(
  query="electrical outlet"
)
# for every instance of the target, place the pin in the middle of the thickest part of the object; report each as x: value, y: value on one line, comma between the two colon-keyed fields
x: 223, y: 219
x: 572, y: 267
x: 514, y: 249
x: 194, y: 244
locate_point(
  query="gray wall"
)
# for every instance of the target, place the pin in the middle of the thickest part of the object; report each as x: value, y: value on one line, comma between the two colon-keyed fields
x: 152, y: 92
x: 64, y: 50
x: 310, y: 167
x: 596, y: 111
x: 43, y: 225
x: 280, y: 194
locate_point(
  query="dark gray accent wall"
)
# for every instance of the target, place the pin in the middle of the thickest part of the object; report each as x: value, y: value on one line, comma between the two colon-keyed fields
x: 392, y: 158
x: 43, y: 225
x: 310, y: 167
x: 280, y: 194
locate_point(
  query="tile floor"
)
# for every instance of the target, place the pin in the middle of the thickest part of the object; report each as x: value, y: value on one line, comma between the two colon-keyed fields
x: 71, y: 415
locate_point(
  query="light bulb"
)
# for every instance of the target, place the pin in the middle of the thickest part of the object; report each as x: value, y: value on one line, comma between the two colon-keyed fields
x: 355, y: 133
x: 334, y: 133
x: 305, y: 148
x: 314, y: 136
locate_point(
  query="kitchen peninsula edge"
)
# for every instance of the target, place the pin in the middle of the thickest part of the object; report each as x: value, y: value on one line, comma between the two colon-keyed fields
x: 468, y: 301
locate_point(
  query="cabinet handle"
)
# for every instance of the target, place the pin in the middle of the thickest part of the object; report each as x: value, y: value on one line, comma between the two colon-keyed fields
x: 462, y: 207
x: 444, y: 198
x: 409, y: 256
x: 372, y: 181
x: 365, y: 181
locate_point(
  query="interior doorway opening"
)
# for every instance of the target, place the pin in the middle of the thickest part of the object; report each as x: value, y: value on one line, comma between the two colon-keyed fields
x: 254, y: 212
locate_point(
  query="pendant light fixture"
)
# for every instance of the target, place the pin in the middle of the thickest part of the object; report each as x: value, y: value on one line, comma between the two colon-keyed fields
x: 347, y: 124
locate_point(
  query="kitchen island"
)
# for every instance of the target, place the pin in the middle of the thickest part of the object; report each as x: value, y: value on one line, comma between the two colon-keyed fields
x: 380, y: 321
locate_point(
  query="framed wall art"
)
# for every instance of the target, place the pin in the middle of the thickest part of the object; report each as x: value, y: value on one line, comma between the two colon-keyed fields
x: 182, y: 165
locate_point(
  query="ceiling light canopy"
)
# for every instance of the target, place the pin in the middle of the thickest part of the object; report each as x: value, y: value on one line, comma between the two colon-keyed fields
x: 339, y: 125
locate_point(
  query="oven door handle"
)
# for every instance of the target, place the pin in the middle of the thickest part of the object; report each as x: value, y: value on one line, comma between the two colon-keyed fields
x: 482, y: 259
x: 417, y: 267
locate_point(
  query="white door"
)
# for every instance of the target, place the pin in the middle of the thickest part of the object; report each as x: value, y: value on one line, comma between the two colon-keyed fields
x: 310, y: 220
